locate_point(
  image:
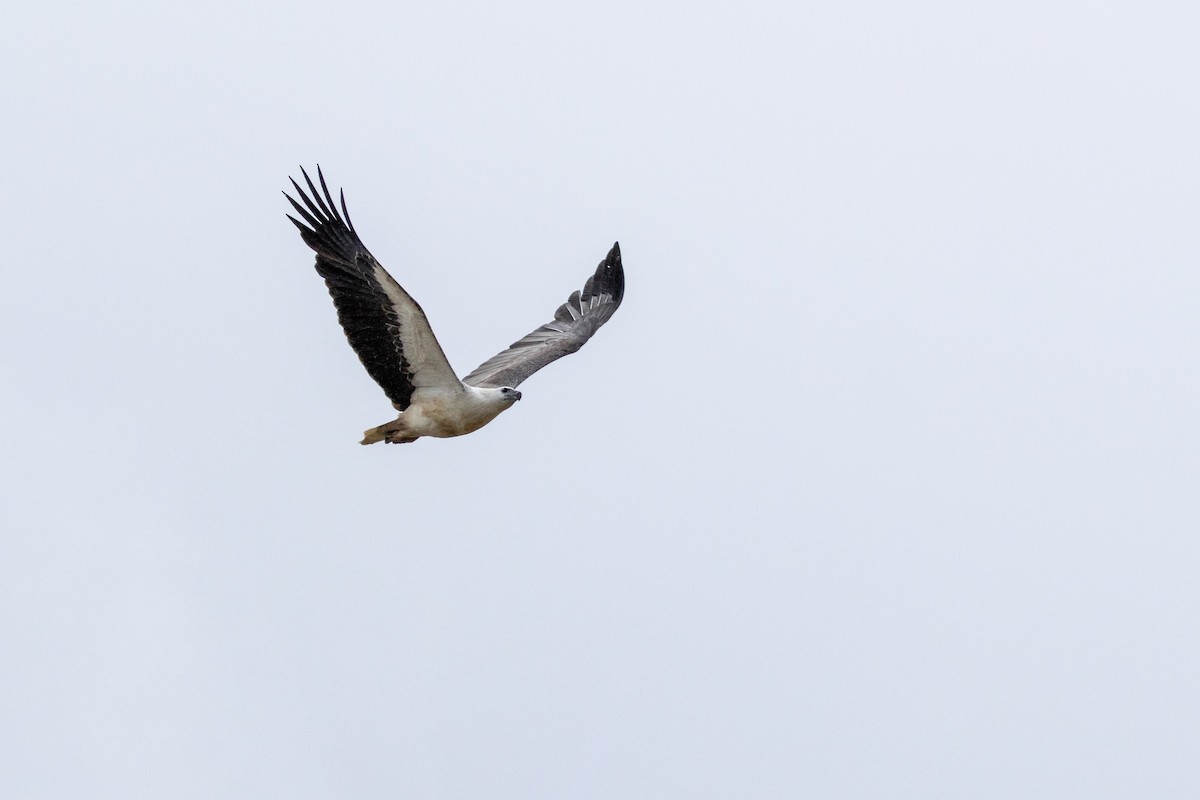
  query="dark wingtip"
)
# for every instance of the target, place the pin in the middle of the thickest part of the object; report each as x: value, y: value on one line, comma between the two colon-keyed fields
x: 613, y: 259
x: 611, y: 274
x: 327, y: 231
x: 346, y: 212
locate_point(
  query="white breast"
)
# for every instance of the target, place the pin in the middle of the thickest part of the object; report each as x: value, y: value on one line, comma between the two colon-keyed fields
x: 442, y: 413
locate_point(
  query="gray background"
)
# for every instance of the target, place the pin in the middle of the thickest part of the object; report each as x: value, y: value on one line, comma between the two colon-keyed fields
x: 882, y: 483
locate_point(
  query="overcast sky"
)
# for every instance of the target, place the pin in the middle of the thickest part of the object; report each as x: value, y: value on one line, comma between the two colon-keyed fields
x: 882, y: 483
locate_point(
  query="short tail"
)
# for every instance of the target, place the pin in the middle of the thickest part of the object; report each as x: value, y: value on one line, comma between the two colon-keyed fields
x: 391, y: 432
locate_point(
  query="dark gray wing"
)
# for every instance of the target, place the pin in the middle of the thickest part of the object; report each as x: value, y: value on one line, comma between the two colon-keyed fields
x: 574, y: 323
x: 384, y: 324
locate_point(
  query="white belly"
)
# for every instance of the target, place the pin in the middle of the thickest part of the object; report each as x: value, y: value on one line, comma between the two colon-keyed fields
x: 442, y: 414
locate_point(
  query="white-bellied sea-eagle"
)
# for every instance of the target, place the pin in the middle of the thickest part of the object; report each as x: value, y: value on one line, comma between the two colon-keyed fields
x: 393, y: 339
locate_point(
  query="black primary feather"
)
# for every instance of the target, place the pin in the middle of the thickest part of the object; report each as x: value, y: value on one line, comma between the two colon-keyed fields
x: 363, y: 307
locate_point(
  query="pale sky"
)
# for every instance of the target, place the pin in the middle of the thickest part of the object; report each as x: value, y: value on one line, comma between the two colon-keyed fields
x: 882, y: 483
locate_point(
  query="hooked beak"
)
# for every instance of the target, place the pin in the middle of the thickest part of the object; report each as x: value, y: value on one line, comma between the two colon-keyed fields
x: 518, y: 394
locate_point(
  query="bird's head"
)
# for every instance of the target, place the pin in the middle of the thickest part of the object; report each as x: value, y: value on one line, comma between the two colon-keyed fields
x: 510, y: 394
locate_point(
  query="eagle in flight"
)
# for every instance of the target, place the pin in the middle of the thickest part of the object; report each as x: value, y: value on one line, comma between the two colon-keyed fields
x: 393, y: 339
